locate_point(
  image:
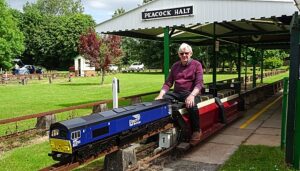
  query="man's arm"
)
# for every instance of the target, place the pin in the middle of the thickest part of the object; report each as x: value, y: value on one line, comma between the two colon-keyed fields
x: 198, y: 80
x: 167, y: 85
x: 190, y: 100
x: 161, y: 94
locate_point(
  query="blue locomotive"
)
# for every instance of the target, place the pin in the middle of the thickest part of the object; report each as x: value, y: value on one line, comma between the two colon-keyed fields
x: 84, y: 136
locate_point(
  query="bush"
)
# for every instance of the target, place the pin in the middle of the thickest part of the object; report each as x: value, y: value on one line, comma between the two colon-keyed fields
x: 272, y: 62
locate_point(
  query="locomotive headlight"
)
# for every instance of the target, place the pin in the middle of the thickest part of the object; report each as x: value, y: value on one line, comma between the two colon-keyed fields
x: 170, y: 109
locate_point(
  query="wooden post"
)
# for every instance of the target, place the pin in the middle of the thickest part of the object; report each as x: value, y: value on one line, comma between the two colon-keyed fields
x: 44, y: 122
x: 136, y: 99
x: 70, y: 77
x: 23, y: 81
x: 122, y: 159
x: 50, y: 80
x: 100, y: 108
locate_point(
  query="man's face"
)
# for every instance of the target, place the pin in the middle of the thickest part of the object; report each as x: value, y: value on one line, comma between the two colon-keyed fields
x: 184, y: 55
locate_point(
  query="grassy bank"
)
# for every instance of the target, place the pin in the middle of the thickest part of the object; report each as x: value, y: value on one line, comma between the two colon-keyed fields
x: 256, y: 158
x: 32, y: 157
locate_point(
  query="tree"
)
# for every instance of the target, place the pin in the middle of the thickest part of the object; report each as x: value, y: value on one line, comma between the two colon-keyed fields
x: 100, y: 51
x: 11, y: 38
x: 118, y: 12
x: 146, y: 1
x: 89, y: 47
x: 52, y: 32
x: 58, y: 7
x: 109, y: 52
x: 273, y: 62
x: 274, y: 58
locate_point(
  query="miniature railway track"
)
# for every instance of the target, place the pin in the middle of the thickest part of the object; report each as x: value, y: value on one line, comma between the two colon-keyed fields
x: 73, y: 165
x: 148, y: 159
x: 31, y: 131
x: 69, y: 166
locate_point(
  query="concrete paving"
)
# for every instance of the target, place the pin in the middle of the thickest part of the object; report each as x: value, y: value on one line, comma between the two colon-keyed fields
x: 211, y: 154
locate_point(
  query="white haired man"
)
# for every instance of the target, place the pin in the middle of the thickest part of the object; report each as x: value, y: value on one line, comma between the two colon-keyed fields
x: 187, y: 77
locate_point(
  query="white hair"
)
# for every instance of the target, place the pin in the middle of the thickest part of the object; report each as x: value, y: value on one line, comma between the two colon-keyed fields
x: 185, y: 46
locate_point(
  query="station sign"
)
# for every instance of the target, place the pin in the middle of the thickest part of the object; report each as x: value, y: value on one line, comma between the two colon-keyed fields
x: 171, y: 12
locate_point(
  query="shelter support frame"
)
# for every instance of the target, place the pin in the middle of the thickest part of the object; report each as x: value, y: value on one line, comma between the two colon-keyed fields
x: 239, y: 61
x: 166, y: 52
x: 284, y: 112
x: 254, y: 61
x: 215, y: 93
x: 246, y: 63
x: 292, y: 155
x: 261, y: 66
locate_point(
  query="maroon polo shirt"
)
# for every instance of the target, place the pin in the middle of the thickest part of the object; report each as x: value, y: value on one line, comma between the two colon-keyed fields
x: 185, y: 77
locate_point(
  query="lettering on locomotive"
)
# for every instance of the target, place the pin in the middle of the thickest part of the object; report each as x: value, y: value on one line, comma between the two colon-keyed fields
x: 75, y: 136
x: 136, y: 120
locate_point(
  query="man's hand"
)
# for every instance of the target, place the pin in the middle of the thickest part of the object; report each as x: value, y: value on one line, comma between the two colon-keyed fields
x: 158, y: 97
x: 190, y: 101
x: 161, y: 94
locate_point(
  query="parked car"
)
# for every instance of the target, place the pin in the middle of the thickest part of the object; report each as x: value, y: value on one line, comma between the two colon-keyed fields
x: 112, y: 68
x: 27, y: 69
x: 136, y: 66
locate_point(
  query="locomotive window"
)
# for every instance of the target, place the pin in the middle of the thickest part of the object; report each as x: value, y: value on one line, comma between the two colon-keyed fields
x: 58, y: 133
x: 100, y: 131
x: 75, y: 135
x: 54, y: 132
x: 63, y: 133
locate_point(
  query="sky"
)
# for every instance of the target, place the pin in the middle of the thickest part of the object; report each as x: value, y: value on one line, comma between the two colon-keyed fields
x: 100, y: 10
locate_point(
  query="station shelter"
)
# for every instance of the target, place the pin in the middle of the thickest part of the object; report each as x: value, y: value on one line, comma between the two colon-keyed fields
x: 259, y: 24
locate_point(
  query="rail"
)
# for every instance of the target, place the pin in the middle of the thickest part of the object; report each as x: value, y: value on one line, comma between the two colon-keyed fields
x: 24, y: 79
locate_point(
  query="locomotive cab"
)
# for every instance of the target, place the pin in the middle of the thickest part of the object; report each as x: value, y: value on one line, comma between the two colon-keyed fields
x: 60, y: 145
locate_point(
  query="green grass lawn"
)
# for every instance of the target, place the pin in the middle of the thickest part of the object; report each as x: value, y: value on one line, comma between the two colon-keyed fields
x: 40, y: 96
x: 18, y: 100
x: 274, y: 78
x: 29, y: 158
x: 256, y: 158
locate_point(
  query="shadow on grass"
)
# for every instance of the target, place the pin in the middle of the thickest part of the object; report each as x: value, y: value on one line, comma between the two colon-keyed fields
x: 144, y: 73
x: 80, y: 84
x: 122, y: 103
x: 76, y: 104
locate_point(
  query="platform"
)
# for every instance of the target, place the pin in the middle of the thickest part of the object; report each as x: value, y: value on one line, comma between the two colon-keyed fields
x: 264, y: 129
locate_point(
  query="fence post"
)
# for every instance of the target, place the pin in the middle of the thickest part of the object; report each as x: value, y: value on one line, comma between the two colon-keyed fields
x: 70, y: 77
x: 100, y: 108
x: 44, y: 122
x: 136, y: 99
x: 50, y: 80
x: 284, y: 112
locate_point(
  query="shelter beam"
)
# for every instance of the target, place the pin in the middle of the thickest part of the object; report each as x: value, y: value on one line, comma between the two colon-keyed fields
x: 231, y: 26
x: 137, y: 35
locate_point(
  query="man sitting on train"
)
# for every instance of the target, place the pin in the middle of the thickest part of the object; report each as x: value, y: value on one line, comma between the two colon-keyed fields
x: 187, y: 77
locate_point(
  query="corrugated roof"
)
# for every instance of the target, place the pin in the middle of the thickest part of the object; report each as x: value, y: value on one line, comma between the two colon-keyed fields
x: 236, y: 21
x: 205, y: 11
